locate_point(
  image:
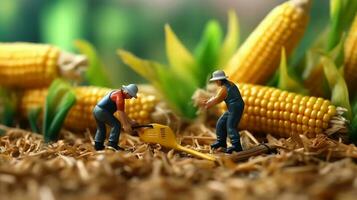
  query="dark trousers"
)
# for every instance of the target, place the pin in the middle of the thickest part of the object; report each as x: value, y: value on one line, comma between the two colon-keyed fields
x: 103, y: 117
x: 228, y: 123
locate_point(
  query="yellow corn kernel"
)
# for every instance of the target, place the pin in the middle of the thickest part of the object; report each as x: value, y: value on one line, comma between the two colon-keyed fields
x: 294, y: 115
x: 26, y: 65
x: 31, y: 99
x: 350, y: 53
x: 258, y: 57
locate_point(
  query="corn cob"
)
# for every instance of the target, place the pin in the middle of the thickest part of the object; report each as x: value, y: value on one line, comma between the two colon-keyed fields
x: 258, y: 57
x: 350, y: 65
x: 283, y: 114
x: 80, y: 117
x: 267, y: 110
x: 27, y: 65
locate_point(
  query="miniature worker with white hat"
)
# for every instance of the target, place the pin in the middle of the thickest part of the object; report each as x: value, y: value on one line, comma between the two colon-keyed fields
x: 227, y: 124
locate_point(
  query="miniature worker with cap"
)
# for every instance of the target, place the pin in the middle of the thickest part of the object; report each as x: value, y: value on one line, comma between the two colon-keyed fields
x: 104, y: 114
x: 228, y: 122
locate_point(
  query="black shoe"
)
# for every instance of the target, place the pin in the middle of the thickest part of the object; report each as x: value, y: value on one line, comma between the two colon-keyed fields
x: 218, y: 144
x: 115, y: 146
x: 98, y: 146
x: 234, y: 147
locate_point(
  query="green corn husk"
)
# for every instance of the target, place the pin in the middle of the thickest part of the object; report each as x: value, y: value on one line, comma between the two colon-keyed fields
x: 314, y: 62
x: 33, y: 115
x: 231, y: 41
x: 341, y: 14
x: 59, y: 100
x: 186, y: 71
x: 337, y: 84
x: 286, y: 82
x: 8, y: 102
x: 330, y: 41
x: 176, y: 89
x: 206, y: 52
x: 180, y: 60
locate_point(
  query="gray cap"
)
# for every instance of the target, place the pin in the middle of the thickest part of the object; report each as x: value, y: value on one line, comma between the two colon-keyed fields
x: 131, y: 89
x: 218, y: 75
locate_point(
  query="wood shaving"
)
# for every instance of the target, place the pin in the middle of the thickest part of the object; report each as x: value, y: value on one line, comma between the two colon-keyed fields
x: 302, y: 168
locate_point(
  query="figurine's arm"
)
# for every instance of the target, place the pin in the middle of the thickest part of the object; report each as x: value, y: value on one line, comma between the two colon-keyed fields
x: 125, y: 121
x: 123, y: 118
x: 220, y: 96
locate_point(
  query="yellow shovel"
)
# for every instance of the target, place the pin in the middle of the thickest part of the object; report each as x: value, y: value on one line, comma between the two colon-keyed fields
x: 163, y: 135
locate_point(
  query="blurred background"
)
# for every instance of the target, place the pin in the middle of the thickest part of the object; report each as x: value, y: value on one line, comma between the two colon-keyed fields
x: 135, y: 25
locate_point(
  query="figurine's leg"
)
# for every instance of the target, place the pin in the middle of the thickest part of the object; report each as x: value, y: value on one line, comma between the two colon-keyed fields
x: 114, y: 132
x: 232, y: 126
x: 101, y: 132
x: 101, y: 129
x: 221, y: 131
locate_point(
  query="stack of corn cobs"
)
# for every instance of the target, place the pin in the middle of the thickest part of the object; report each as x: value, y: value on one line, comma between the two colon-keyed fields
x: 29, y: 69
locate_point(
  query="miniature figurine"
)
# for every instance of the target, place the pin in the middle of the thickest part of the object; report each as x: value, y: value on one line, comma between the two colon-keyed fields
x: 103, y: 114
x: 228, y: 122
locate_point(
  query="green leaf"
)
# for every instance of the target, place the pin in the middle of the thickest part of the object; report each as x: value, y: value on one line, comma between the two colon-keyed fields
x: 173, y: 87
x: 313, y: 57
x: 67, y: 101
x: 286, y: 82
x: 207, y: 51
x: 95, y: 73
x: 337, y: 84
x: 336, y: 53
x: 8, y: 105
x: 342, y: 13
x: 180, y: 59
x: 55, y: 92
x: 33, y: 115
x: 59, y: 100
x: 313, y: 71
x: 313, y: 66
x: 231, y: 40
x: 178, y: 92
x: 145, y: 68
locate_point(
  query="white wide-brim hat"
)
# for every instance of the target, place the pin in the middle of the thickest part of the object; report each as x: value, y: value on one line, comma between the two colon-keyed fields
x: 218, y: 75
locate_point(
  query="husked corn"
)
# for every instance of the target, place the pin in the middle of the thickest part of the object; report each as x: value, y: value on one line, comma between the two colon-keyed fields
x: 258, y: 57
x: 80, y: 117
x: 26, y: 65
x: 267, y: 110
x: 283, y: 113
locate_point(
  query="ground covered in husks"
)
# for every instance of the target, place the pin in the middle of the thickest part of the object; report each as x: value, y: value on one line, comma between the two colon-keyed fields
x: 302, y: 168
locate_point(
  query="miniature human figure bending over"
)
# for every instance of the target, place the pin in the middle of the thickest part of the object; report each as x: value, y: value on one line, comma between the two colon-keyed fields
x: 104, y: 114
x: 228, y: 122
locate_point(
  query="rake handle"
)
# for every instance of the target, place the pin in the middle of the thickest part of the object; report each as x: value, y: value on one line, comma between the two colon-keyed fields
x: 196, y: 153
x: 142, y: 126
